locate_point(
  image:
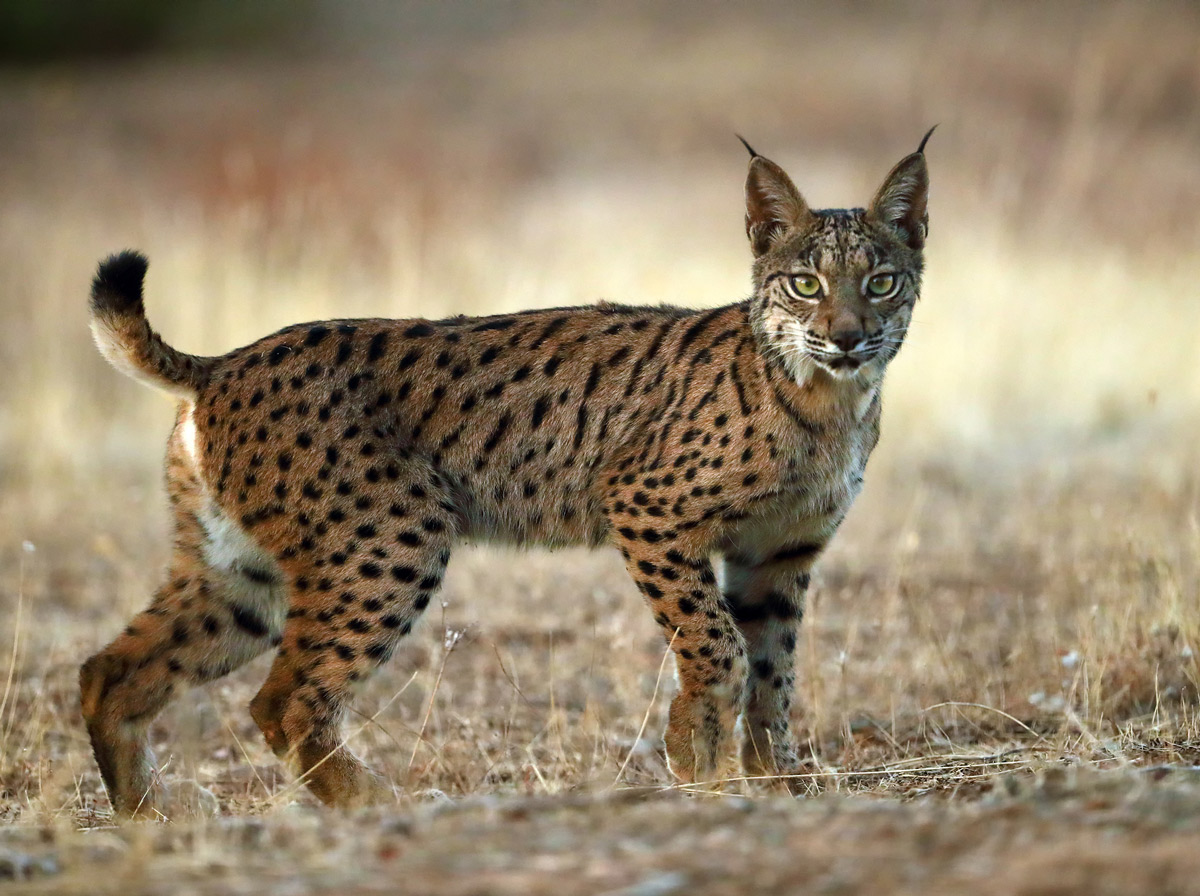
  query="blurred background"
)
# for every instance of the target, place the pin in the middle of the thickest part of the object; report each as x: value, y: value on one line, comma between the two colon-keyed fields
x: 289, y: 160
x: 283, y: 161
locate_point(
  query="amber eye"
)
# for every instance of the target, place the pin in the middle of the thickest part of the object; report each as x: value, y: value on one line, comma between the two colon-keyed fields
x: 805, y: 285
x: 881, y: 284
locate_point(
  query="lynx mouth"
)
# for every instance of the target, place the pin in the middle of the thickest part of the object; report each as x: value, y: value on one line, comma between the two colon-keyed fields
x: 843, y: 365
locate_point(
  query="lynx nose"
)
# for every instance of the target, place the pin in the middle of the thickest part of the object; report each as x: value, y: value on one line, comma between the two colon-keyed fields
x: 846, y: 340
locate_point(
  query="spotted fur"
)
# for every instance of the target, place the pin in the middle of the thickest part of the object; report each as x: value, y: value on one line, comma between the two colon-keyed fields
x: 320, y: 477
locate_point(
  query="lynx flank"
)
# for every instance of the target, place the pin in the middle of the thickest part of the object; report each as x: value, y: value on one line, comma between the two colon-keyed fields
x: 320, y: 478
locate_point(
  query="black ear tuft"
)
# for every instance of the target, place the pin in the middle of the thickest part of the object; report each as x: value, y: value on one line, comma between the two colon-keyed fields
x: 925, y: 139
x: 902, y: 201
x: 749, y: 148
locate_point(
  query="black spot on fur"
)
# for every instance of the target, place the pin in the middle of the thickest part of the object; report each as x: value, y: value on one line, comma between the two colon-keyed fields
x: 419, y: 330
x: 501, y: 323
x: 249, y: 621
x: 404, y: 574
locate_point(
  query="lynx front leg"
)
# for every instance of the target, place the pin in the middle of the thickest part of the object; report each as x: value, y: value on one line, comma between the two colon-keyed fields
x: 767, y: 599
x: 710, y: 658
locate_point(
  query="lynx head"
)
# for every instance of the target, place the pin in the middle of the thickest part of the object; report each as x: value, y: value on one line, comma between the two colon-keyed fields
x: 834, y: 288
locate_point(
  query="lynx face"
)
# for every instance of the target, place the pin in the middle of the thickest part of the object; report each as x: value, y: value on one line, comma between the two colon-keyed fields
x: 835, y: 288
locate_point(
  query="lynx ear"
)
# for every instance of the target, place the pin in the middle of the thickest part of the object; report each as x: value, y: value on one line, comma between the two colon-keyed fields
x: 902, y: 201
x: 773, y: 204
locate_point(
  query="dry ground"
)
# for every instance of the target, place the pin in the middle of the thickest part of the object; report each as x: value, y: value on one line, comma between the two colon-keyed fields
x: 999, y: 679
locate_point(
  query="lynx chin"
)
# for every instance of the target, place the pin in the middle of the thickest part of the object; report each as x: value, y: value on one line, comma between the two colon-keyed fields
x: 320, y: 477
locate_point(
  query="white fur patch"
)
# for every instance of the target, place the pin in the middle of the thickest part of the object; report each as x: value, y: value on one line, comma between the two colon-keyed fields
x: 112, y: 347
x: 864, y: 402
x: 187, y: 435
x: 229, y: 549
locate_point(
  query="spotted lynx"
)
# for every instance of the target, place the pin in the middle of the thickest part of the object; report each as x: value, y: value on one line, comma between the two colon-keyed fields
x: 320, y: 477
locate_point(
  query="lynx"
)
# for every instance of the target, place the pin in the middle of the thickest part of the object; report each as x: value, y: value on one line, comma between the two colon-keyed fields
x: 320, y: 477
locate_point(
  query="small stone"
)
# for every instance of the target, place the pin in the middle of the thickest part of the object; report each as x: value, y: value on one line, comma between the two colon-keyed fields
x: 659, y: 883
x: 104, y: 846
x: 21, y: 866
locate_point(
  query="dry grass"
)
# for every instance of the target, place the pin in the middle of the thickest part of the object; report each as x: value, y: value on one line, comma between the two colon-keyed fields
x: 1015, y: 594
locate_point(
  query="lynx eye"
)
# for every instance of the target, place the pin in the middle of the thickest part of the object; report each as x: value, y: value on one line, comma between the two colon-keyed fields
x: 805, y: 285
x: 881, y: 285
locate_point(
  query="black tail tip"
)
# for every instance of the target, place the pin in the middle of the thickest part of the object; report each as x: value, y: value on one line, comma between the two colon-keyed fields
x: 118, y: 282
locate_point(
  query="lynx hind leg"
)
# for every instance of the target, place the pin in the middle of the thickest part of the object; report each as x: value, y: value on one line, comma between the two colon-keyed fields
x: 221, y: 606
x: 360, y: 582
x: 710, y: 658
